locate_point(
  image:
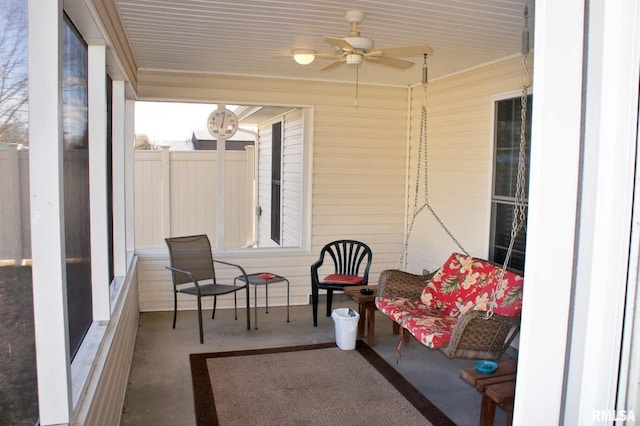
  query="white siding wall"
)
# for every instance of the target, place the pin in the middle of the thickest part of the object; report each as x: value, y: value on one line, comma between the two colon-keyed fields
x: 358, y: 173
x: 292, y: 165
x: 460, y: 156
x: 238, y: 201
x: 102, y: 402
x: 292, y: 169
x: 359, y: 186
x: 264, y: 184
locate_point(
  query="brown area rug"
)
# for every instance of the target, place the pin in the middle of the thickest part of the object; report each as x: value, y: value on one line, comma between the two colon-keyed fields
x: 306, y: 385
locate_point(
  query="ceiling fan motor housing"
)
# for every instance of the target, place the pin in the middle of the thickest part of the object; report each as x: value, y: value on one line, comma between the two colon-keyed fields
x: 360, y: 43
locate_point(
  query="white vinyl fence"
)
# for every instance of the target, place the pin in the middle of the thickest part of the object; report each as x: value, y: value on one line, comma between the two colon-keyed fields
x: 176, y: 194
x: 15, y: 225
x: 15, y: 222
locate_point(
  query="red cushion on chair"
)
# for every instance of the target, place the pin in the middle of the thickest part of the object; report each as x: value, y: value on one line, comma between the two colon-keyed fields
x: 343, y: 279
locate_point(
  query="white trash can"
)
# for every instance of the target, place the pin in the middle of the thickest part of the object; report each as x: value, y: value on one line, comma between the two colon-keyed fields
x: 346, y: 321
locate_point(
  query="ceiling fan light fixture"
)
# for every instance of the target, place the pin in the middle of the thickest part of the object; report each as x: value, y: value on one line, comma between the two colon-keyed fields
x: 304, y: 56
x: 354, y: 59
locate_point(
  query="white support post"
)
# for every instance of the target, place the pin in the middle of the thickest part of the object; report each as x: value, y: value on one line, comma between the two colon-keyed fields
x: 129, y: 167
x: 551, y: 227
x: 166, y: 191
x: 98, y: 183
x: 221, y: 161
x: 47, y: 211
x: 118, y: 178
x: 252, y: 220
x: 606, y: 202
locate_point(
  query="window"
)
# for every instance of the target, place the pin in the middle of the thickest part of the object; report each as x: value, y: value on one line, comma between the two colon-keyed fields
x: 276, y: 180
x: 109, y: 130
x: 264, y: 176
x: 76, y: 185
x: 507, y: 145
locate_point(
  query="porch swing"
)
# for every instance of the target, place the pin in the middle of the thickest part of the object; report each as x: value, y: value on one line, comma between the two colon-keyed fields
x: 468, y: 308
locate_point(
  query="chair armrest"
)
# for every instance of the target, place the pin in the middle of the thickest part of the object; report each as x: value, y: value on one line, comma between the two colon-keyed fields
x: 396, y: 283
x: 314, y: 270
x: 475, y: 336
x: 235, y: 265
x: 182, y: 271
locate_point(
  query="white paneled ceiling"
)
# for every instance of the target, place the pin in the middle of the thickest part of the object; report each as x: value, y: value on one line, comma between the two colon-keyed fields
x: 240, y: 37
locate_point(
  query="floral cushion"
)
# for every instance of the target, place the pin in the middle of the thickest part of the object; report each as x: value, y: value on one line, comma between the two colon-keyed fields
x: 509, y: 298
x: 464, y: 284
x: 434, y: 331
x: 432, y: 328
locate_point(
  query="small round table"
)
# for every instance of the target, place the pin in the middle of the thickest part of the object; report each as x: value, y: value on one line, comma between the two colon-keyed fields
x: 264, y: 278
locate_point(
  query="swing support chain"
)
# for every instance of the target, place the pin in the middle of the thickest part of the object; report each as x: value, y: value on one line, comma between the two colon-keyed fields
x: 519, y: 208
x: 423, y: 157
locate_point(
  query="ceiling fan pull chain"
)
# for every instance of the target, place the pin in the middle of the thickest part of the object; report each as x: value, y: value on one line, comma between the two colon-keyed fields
x: 357, y: 69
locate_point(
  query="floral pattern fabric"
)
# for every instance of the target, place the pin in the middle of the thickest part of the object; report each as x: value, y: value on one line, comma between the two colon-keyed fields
x: 431, y: 328
x: 466, y: 284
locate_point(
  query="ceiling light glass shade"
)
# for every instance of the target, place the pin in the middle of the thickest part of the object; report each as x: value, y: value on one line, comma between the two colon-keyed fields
x: 304, y: 56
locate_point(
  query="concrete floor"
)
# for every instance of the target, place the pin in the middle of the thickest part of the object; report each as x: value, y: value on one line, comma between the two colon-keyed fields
x: 160, y: 390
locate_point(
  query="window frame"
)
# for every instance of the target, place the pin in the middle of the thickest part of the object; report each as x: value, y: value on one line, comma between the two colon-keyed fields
x: 276, y: 181
x: 79, y: 281
x: 494, y: 199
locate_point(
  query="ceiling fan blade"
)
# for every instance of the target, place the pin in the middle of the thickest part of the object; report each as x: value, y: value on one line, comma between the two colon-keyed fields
x: 339, y: 43
x: 328, y: 56
x: 416, y: 50
x: 391, y: 62
x: 333, y: 64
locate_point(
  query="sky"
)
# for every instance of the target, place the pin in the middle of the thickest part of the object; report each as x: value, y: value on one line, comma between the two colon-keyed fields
x: 169, y: 121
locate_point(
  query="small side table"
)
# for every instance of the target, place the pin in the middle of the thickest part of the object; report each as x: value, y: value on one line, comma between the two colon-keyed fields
x: 264, y: 278
x: 497, y: 388
x: 366, y: 309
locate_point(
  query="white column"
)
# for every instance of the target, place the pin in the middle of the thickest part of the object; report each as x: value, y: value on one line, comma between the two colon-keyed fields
x: 551, y: 229
x: 220, y: 208
x: 610, y: 131
x: 47, y: 214
x: 129, y: 181
x: 221, y: 161
x: 118, y: 118
x: 166, y: 191
x: 98, y: 183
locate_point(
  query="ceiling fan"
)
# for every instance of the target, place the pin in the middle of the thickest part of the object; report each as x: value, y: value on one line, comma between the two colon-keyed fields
x: 354, y: 49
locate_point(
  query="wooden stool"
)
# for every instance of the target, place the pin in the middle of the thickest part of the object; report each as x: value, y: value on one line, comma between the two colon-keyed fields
x: 497, y: 388
x: 501, y: 394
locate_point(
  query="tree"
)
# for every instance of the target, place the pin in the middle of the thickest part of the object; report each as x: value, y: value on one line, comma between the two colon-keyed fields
x: 13, y: 73
x: 142, y: 142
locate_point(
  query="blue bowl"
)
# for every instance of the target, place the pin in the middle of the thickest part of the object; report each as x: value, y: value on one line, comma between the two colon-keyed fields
x: 485, y: 366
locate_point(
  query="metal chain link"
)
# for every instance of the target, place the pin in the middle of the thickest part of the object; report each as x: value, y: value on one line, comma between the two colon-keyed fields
x: 519, y: 207
x: 422, y: 152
